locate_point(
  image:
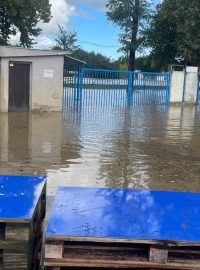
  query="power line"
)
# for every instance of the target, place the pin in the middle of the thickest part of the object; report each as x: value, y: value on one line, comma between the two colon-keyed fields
x: 98, y: 45
x: 86, y: 42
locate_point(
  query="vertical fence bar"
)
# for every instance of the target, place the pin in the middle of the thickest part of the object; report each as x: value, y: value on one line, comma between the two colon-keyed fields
x: 130, y: 87
x: 80, y: 86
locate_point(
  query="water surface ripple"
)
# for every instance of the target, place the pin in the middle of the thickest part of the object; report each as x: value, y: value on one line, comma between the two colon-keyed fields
x: 144, y: 147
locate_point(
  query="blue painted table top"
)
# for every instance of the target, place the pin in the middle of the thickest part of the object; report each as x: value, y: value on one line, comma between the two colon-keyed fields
x: 19, y: 196
x: 125, y: 214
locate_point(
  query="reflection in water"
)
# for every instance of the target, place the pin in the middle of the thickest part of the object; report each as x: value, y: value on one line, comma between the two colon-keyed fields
x: 124, y: 213
x: 146, y: 147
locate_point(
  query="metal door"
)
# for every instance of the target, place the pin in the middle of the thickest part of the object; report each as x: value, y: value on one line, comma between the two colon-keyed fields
x: 19, y: 86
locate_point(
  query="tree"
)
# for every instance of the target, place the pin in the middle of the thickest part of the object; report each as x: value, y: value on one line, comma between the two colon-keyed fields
x: 132, y: 17
x: 23, y: 16
x: 95, y: 60
x: 174, y: 34
x: 66, y: 40
x: 188, y: 30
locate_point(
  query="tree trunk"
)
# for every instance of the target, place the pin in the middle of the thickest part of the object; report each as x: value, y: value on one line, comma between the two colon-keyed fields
x: 133, y: 44
x: 131, y: 60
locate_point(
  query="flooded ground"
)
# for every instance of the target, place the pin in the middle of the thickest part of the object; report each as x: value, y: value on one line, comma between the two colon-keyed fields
x: 143, y: 147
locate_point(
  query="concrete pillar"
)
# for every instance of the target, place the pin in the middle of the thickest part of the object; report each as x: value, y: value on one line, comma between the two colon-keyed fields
x: 4, y: 85
x: 191, y: 85
x: 177, y: 86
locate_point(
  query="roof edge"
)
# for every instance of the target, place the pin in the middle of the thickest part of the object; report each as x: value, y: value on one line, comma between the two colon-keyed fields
x: 9, y: 51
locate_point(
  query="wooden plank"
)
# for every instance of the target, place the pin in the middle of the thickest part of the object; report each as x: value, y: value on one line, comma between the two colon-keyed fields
x: 116, y: 256
x: 15, y: 232
x: 118, y: 264
x: 14, y: 259
x: 54, y: 251
x: 2, y: 231
x: 121, y: 240
x: 40, y: 208
x: 13, y: 245
x: 158, y: 255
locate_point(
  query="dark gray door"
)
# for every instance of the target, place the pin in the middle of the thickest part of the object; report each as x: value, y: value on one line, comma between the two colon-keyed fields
x: 19, y: 86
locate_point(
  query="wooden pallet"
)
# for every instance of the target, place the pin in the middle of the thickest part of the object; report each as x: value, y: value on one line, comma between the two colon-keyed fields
x: 21, y: 240
x: 101, y: 228
x: 131, y: 254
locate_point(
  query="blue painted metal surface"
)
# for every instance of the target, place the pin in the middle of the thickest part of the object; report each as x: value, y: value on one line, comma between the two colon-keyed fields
x: 71, y: 84
x: 99, y: 87
x: 19, y: 196
x: 127, y: 214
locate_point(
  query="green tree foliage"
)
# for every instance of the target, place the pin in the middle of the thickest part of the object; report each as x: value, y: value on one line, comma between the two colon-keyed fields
x: 99, y: 61
x: 132, y: 17
x: 96, y: 60
x: 66, y: 40
x: 174, y: 34
x: 142, y: 63
x: 22, y: 16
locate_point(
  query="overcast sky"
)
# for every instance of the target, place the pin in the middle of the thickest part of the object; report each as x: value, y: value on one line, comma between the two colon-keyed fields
x: 88, y: 18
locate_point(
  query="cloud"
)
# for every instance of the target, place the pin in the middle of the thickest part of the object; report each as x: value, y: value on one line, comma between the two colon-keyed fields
x: 97, y: 4
x: 15, y: 39
x: 61, y: 12
x: 43, y: 42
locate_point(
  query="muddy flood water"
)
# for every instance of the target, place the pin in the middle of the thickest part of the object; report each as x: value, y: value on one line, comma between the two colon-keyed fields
x: 141, y: 147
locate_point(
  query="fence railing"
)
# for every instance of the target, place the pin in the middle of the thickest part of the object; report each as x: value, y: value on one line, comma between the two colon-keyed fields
x: 95, y: 87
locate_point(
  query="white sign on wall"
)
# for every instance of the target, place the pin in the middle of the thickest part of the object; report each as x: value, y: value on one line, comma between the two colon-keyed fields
x: 48, y: 73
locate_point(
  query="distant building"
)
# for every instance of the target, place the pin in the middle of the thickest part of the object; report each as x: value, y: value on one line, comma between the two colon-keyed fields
x: 32, y: 79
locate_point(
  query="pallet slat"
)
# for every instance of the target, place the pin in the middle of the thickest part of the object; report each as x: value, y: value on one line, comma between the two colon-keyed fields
x: 70, y: 254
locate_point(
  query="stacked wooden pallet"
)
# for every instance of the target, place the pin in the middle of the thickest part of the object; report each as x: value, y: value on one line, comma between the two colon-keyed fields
x: 101, y: 253
x: 109, y: 228
x: 22, y: 212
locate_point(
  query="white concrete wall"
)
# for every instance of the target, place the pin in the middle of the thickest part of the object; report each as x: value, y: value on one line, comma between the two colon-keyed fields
x: 191, y: 85
x: 177, y: 86
x: 4, y: 85
x: 46, y: 94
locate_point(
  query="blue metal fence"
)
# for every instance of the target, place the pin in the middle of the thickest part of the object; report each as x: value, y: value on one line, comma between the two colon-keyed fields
x: 95, y: 87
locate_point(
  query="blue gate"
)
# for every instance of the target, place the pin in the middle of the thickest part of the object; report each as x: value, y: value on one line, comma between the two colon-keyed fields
x: 95, y: 87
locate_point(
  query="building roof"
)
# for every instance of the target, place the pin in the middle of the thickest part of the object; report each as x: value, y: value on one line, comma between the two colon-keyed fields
x: 71, y: 61
x: 7, y: 51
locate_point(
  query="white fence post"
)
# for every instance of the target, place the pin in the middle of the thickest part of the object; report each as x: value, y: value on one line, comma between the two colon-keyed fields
x: 177, y: 86
x: 191, y: 85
